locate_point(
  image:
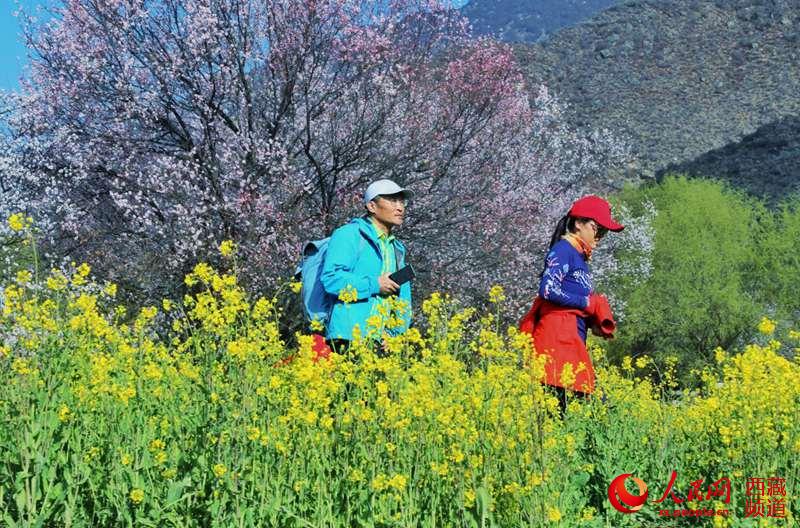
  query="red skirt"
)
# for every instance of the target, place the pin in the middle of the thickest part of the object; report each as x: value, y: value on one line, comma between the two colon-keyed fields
x: 554, y: 330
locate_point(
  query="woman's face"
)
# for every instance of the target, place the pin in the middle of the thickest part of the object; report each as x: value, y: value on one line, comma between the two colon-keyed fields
x: 589, y: 231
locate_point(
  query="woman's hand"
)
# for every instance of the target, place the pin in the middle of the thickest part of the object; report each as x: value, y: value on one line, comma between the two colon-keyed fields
x: 598, y: 332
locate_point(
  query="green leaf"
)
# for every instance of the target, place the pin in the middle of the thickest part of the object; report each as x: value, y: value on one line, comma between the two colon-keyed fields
x: 175, y: 490
x: 580, y: 479
x: 8, y: 521
x: 19, y: 498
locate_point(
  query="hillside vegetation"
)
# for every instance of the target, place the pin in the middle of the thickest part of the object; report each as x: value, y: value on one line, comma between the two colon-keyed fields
x: 529, y: 20
x: 677, y: 79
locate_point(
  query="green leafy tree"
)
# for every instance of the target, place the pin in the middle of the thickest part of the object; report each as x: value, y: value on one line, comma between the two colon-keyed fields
x: 704, y: 260
x: 779, y: 269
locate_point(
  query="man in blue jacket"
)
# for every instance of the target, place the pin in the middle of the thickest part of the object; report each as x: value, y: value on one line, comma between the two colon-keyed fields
x: 361, y: 255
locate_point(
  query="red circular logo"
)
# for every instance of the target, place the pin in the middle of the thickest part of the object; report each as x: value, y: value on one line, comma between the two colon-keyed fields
x: 618, y: 495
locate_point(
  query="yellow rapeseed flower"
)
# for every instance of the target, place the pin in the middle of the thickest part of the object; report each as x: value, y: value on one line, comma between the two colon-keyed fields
x: 137, y: 495
x: 83, y: 270
x: 253, y: 433
x: 626, y: 364
x: 497, y: 294
x: 432, y: 304
x: 219, y: 470
x: 204, y: 272
x: 469, y: 498
x: 356, y: 475
x: 296, y: 286
x: 398, y: 482
x: 442, y: 469
x: 310, y: 417
x: 63, y: 413
x: 766, y: 326
x: 553, y: 514
x: 567, y: 375
x: 720, y: 355
x: 18, y: 222
x: 147, y: 314
x: 93, y: 453
x: 348, y: 294
x: 227, y: 248
x: 57, y: 281
x: 21, y: 366
x: 380, y: 482
x: 262, y: 308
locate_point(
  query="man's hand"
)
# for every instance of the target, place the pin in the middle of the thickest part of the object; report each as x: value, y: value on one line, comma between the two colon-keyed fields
x: 387, y: 285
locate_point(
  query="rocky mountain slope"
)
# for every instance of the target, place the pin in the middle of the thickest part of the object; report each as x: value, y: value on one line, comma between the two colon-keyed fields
x: 677, y: 78
x: 764, y: 163
x: 529, y: 20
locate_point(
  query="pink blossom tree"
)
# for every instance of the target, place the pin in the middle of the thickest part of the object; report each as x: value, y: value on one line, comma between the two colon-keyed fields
x: 153, y: 129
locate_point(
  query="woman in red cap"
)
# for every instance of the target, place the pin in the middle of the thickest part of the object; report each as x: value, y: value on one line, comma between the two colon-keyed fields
x: 567, y: 305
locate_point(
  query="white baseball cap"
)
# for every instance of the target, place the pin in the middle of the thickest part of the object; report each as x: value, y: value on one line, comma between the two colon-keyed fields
x: 384, y: 188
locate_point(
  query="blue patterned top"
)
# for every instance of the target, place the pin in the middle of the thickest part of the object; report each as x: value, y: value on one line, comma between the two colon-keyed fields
x: 567, y: 280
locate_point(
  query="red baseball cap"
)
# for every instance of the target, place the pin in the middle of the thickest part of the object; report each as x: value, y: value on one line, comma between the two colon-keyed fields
x: 597, y: 209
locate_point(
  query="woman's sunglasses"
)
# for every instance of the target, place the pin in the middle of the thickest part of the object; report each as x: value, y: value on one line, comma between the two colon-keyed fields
x: 599, y: 231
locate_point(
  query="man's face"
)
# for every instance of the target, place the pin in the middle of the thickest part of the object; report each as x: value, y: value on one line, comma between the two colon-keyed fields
x: 388, y: 210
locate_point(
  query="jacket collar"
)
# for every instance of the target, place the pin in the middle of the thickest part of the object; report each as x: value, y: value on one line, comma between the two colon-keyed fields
x: 582, y: 247
x: 381, y: 235
x: 369, y: 232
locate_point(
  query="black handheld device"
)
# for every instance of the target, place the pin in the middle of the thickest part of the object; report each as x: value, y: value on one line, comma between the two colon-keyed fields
x: 403, y: 275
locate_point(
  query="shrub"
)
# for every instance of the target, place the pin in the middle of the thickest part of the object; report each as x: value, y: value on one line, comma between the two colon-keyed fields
x: 699, y: 294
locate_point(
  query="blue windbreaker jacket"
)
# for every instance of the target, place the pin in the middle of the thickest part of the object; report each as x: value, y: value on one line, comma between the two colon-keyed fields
x: 354, y: 259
